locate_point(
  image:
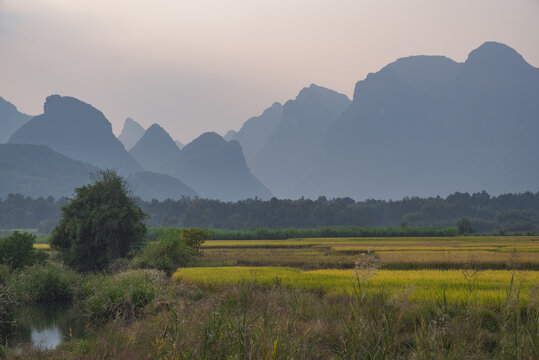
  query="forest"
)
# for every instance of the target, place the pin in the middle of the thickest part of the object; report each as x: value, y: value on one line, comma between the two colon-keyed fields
x: 507, y: 213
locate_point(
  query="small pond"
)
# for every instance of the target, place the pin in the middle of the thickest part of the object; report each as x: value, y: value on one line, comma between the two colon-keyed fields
x: 44, y: 327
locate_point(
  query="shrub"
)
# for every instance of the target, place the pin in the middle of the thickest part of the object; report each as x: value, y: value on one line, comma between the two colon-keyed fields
x: 17, y: 250
x: 7, y: 307
x: 169, y: 253
x: 120, y: 296
x: 47, y: 283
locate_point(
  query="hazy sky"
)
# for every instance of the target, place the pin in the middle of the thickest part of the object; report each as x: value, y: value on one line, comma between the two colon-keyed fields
x: 201, y: 65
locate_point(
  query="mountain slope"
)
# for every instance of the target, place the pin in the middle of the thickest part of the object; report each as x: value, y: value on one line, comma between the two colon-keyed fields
x: 156, y: 151
x: 77, y: 130
x: 426, y: 125
x: 216, y: 169
x: 131, y: 133
x: 36, y: 170
x: 256, y: 131
x: 293, y: 147
x: 148, y: 186
x: 10, y: 120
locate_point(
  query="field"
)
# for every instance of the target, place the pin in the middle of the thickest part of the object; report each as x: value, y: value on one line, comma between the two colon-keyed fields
x: 393, y: 253
x: 316, y: 298
x: 455, y: 286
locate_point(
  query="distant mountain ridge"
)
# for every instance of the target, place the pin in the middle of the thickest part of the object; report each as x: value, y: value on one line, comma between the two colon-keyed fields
x: 77, y: 130
x: 293, y: 147
x: 217, y: 169
x: 422, y: 125
x: 210, y: 165
x: 131, y: 133
x: 256, y: 131
x: 10, y: 120
x: 156, y: 151
x: 426, y: 125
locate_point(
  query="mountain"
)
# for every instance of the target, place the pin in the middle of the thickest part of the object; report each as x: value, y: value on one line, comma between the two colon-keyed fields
x: 10, y: 120
x: 230, y: 134
x: 37, y: 170
x: 77, y: 130
x: 156, y: 151
x: 148, y: 186
x: 427, y: 125
x: 131, y: 133
x: 217, y: 169
x: 294, y: 146
x: 179, y: 144
x: 255, y: 132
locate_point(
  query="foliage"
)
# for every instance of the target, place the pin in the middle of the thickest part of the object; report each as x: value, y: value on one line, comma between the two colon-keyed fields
x: 48, y: 283
x: 17, y: 250
x: 99, y: 225
x: 119, y: 296
x: 8, y: 304
x: 173, y: 250
x: 194, y: 238
x: 464, y: 226
x: 507, y: 212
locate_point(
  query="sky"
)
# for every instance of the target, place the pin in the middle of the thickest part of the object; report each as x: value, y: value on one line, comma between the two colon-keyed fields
x: 208, y: 65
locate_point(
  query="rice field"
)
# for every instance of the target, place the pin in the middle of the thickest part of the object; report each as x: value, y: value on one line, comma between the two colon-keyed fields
x: 456, y: 269
x: 455, y: 286
x: 393, y: 253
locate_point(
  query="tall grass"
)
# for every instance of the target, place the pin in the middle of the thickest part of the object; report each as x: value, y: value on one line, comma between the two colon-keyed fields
x: 45, y: 283
x: 124, y: 295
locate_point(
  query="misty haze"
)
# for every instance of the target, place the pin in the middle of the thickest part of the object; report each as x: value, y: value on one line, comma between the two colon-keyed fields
x: 256, y: 180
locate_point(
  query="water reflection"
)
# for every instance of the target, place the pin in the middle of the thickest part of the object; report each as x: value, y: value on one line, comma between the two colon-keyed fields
x: 47, y: 339
x: 45, y: 326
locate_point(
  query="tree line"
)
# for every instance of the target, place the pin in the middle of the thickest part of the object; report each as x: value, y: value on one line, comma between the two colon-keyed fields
x: 509, y: 213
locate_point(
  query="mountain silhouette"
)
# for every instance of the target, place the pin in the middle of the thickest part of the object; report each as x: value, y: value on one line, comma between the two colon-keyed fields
x: 427, y: 125
x: 156, y: 151
x: 79, y: 131
x: 217, y: 169
x: 37, y: 170
x: 230, y: 136
x: 209, y: 165
x: 179, y: 144
x: 148, y: 186
x: 10, y: 120
x: 131, y: 133
x: 293, y: 148
x: 256, y: 131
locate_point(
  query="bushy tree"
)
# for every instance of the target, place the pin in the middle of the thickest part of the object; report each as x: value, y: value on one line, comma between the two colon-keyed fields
x: 174, y: 249
x: 17, y: 250
x: 195, y: 237
x: 101, y: 223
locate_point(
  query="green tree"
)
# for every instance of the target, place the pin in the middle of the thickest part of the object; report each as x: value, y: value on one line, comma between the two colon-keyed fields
x: 194, y: 237
x: 465, y: 226
x: 17, y: 250
x: 101, y: 223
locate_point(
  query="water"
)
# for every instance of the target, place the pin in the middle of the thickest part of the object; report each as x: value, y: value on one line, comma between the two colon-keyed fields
x: 45, y: 327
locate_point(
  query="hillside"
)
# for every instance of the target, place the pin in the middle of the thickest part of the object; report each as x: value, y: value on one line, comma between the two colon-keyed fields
x: 427, y: 126
x: 156, y: 151
x: 131, y: 133
x: 38, y: 171
x: 216, y: 169
x: 10, y: 120
x: 77, y: 130
x: 149, y: 186
x: 293, y: 147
